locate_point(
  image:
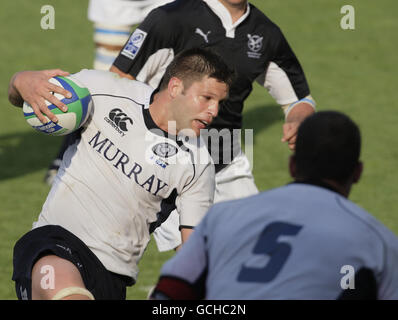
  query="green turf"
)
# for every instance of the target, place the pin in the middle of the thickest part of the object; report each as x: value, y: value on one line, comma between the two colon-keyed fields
x: 349, y: 70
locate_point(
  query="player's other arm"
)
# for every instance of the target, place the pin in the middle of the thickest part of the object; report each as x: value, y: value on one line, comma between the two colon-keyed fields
x: 304, y: 105
x: 183, y: 277
x: 196, y: 199
x: 285, y: 80
x: 185, y: 233
x: 13, y: 94
x: 295, y: 113
x: 153, y: 53
x: 116, y: 70
x: 34, y: 88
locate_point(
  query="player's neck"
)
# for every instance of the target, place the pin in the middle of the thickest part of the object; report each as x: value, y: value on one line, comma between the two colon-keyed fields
x: 343, y: 189
x: 236, y: 10
x: 159, y: 112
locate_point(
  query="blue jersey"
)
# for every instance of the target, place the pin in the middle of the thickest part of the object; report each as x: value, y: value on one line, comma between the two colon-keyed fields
x: 299, y: 241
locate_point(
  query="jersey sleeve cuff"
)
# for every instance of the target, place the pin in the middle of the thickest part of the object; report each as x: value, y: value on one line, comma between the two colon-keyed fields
x: 185, y: 227
x: 123, y: 64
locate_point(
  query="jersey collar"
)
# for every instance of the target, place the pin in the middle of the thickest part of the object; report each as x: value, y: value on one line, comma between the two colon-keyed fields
x: 317, y: 183
x: 218, y: 8
x: 150, y: 124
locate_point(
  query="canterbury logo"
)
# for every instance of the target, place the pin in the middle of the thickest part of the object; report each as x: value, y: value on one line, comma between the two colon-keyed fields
x: 120, y: 118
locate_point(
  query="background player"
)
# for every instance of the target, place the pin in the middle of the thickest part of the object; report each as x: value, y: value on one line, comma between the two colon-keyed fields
x: 294, y: 241
x: 113, y: 22
x: 250, y: 43
x: 94, y: 225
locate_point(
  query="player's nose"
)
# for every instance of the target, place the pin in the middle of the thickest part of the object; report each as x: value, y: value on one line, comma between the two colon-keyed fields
x: 213, y: 108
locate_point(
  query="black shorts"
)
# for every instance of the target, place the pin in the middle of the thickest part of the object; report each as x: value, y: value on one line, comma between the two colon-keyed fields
x: 55, y: 240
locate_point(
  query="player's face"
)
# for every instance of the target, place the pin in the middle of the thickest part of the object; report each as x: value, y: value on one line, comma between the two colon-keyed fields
x: 197, y: 106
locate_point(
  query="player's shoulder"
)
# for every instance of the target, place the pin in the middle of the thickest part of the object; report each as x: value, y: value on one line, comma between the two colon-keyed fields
x: 100, y: 82
x: 260, y: 20
x: 167, y: 22
x: 342, y: 208
x: 180, y: 6
x: 176, y: 10
x: 372, y: 224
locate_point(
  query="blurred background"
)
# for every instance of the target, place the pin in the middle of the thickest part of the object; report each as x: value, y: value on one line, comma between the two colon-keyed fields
x: 353, y: 71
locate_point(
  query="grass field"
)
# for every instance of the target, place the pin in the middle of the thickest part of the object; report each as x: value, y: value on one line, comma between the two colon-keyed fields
x: 348, y: 70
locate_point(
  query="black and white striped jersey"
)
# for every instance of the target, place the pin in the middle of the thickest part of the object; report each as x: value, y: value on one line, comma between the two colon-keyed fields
x: 253, y: 45
x: 124, y: 174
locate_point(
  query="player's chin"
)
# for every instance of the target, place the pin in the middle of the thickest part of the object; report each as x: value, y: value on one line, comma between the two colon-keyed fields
x: 194, y: 129
x: 196, y: 126
x: 192, y: 132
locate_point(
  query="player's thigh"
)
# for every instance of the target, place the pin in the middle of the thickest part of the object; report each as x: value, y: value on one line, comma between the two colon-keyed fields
x: 50, y: 274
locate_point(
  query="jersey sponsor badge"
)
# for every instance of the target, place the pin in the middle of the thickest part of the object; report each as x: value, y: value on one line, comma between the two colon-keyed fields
x: 255, y: 43
x: 134, y: 44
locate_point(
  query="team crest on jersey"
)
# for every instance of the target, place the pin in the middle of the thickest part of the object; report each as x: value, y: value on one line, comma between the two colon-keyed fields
x: 134, y: 44
x: 119, y: 121
x: 164, y: 150
x: 254, y: 44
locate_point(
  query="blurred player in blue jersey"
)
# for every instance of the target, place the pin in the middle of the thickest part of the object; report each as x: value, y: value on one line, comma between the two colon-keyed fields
x: 305, y: 240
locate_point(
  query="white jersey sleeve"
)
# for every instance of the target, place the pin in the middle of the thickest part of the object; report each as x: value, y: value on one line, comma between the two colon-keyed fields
x: 198, y: 194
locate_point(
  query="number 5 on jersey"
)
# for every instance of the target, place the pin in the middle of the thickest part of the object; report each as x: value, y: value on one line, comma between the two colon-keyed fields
x: 278, y: 252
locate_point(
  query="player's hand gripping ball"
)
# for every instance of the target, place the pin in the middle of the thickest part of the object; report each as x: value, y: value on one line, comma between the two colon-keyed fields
x: 79, y: 108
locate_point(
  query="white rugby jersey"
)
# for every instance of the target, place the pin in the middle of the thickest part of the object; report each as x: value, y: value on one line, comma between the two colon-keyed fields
x: 122, y: 176
x: 299, y: 241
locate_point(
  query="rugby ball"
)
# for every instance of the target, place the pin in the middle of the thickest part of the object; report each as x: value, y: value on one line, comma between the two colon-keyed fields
x: 79, y: 108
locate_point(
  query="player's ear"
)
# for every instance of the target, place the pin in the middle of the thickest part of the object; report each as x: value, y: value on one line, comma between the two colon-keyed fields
x: 358, y: 172
x: 292, y: 166
x: 175, y: 87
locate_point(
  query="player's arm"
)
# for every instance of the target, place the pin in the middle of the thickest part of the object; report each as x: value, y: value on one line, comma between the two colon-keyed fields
x: 185, y: 234
x: 34, y: 88
x: 13, y: 94
x: 196, y: 199
x: 184, y: 276
x: 285, y: 80
x: 149, y: 49
x: 295, y: 113
x: 115, y: 69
